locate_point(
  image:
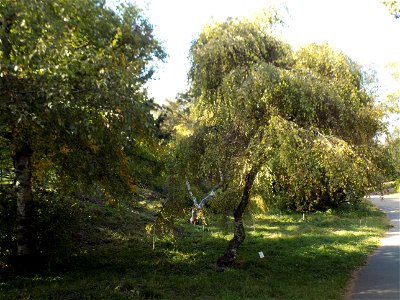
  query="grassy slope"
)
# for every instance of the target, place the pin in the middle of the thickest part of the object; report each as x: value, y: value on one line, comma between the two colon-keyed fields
x: 310, y: 259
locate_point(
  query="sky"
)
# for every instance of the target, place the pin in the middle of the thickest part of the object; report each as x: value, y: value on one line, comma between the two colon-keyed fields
x: 362, y: 29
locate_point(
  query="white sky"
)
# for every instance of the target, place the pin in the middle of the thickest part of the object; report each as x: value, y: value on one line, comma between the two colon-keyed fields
x: 362, y: 29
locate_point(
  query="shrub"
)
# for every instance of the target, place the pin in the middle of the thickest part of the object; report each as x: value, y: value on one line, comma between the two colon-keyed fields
x: 8, y: 209
x: 57, y: 221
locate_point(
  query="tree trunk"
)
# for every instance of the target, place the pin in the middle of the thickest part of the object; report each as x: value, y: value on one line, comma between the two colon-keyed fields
x: 239, y: 234
x: 25, y: 235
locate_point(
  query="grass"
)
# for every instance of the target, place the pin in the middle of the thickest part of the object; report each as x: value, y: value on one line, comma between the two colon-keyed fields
x: 304, y: 259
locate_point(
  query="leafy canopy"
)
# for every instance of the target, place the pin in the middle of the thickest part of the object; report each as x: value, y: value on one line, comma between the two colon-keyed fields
x: 304, y: 118
x: 71, y: 76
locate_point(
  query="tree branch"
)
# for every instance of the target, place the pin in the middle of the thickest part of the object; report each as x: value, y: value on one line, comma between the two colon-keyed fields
x: 207, y: 198
x: 191, y: 194
x: 7, y: 135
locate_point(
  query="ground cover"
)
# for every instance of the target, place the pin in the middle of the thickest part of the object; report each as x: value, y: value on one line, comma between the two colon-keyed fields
x: 311, y: 258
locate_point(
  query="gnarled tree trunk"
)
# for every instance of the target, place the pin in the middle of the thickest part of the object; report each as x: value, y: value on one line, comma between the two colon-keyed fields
x: 239, y: 234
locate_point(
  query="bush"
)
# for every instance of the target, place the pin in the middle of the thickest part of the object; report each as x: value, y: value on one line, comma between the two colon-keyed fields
x: 8, y: 210
x: 57, y: 221
x: 397, y: 185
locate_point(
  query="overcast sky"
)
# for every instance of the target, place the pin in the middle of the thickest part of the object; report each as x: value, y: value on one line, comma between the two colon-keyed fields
x: 362, y: 29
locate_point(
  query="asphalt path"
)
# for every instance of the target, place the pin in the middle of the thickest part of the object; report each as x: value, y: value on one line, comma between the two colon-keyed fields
x: 380, y: 277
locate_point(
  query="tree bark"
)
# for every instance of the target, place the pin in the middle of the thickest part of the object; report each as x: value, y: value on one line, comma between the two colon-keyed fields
x: 239, y: 234
x: 25, y: 236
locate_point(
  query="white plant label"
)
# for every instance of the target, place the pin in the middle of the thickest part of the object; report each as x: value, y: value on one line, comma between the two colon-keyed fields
x: 261, y: 254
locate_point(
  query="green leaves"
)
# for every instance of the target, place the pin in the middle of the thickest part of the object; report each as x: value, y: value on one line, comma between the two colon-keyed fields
x: 225, y: 47
x: 393, y: 7
x: 71, y: 78
x: 306, y: 117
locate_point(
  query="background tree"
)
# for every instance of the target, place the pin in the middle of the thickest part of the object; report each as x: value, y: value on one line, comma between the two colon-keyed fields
x: 283, y: 125
x: 73, y: 109
x: 393, y: 7
x: 390, y: 156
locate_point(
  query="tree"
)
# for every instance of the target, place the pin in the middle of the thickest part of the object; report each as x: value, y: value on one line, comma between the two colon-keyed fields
x: 392, y: 102
x: 73, y: 108
x: 390, y: 157
x: 393, y: 8
x: 262, y: 111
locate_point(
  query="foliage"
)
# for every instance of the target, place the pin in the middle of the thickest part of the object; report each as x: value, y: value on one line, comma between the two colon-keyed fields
x: 294, y: 128
x: 7, y: 221
x: 392, y: 102
x: 306, y: 118
x: 393, y: 7
x: 397, y: 185
x: 72, y: 97
x: 173, y: 118
x: 312, y: 171
x: 390, y: 156
x: 73, y: 79
x: 6, y: 165
x: 58, y: 220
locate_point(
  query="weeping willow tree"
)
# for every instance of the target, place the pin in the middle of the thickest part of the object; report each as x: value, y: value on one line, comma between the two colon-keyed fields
x: 294, y: 128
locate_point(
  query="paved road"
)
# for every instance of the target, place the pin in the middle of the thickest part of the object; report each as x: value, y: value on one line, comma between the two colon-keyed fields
x: 380, y: 277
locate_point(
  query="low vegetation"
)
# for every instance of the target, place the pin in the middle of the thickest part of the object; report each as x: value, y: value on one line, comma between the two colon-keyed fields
x: 310, y: 258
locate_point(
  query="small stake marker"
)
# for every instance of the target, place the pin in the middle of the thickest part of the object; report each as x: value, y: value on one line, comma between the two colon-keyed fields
x: 261, y: 254
x: 154, y: 238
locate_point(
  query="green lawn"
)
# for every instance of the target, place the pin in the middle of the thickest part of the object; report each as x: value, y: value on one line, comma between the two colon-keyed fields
x: 304, y: 259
